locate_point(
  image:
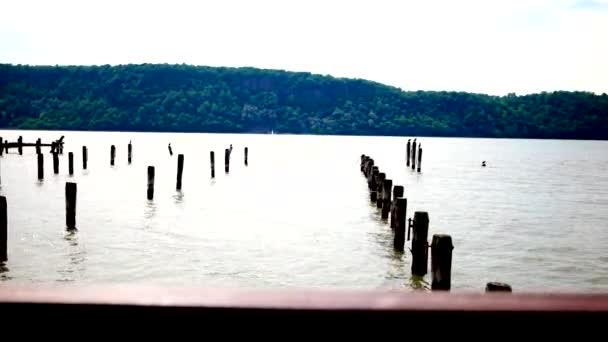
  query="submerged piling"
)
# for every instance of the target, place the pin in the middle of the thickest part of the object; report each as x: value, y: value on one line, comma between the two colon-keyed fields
x: 420, y: 244
x: 150, y: 192
x: 180, y: 169
x: 70, y: 205
x: 441, y: 261
x: 498, y: 287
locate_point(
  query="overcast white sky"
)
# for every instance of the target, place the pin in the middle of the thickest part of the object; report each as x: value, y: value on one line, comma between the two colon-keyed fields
x: 483, y: 46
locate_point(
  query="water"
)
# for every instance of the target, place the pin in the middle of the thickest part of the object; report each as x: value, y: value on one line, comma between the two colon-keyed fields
x: 299, y: 215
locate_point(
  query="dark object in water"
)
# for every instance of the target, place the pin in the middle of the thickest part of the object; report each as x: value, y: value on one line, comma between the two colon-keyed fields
x: 170, y: 150
x: 483, y: 163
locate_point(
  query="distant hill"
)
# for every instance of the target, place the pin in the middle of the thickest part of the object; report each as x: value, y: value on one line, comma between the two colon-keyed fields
x: 204, y: 99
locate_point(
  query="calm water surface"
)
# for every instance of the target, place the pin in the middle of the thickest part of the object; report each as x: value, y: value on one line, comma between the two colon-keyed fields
x: 299, y: 215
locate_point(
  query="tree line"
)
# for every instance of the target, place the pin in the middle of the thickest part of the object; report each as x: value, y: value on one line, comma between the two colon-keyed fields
x: 184, y: 98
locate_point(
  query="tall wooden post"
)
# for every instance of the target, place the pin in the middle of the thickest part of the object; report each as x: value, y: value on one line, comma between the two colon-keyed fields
x: 84, y: 157
x: 246, y: 156
x: 70, y: 205
x: 150, y: 192
x: 227, y: 160
x: 70, y: 163
x: 112, y: 154
x: 409, y: 148
x: 38, y: 146
x: 40, y: 157
x: 212, y: 158
x: 386, y: 197
x: 441, y: 261
x: 180, y: 170
x: 20, y: 145
x: 399, y: 238
x: 55, y: 163
x: 129, y: 152
x: 419, y: 158
x: 414, y: 155
x: 420, y: 244
x: 397, y: 192
x: 379, y: 188
x: 3, y: 231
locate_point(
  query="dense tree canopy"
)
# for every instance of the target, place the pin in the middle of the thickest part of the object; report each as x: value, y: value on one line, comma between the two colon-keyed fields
x: 205, y: 99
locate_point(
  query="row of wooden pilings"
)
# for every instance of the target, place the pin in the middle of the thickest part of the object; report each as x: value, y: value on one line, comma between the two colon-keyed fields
x: 410, y: 155
x: 394, y: 209
x: 71, y: 187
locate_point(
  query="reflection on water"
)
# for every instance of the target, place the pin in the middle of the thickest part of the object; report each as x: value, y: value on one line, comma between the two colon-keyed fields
x: 149, y: 212
x: 418, y: 283
x: 75, y: 257
x: 178, y: 197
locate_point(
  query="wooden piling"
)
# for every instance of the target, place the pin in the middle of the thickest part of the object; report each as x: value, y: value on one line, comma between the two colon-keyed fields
x: 363, y: 162
x: 180, y: 169
x: 246, y: 156
x: 40, y: 166
x: 227, y: 160
x: 150, y: 183
x: 414, y: 155
x: 372, y: 178
x: 379, y: 188
x: 441, y: 262
x: 386, y: 197
x: 419, y: 158
x: 498, y: 287
x: 84, y: 157
x: 70, y: 163
x: 55, y: 163
x: 409, y: 147
x: 38, y: 146
x: 212, y: 157
x: 129, y: 152
x: 20, y: 145
x: 397, y: 192
x: 399, y: 237
x: 3, y: 231
x: 70, y: 205
x: 1, y: 146
x: 420, y: 244
x: 112, y: 154
x: 369, y: 164
x: 373, y: 196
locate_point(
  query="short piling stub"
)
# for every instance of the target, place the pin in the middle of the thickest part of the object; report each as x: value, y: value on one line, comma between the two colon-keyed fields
x: 386, y: 198
x: 397, y: 192
x: 498, y: 287
x: 55, y: 163
x: 70, y: 163
x: 84, y: 157
x: 246, y: 156
x: 400, y: 211
x: 112, y: 154
x: 380, y: 188
x: 70, y: 205
x: 40, y: 159
x: 150, y: 192
x: 212, y: 159
x: 3, y: 231
x: 180, y: 170
x: 227, y: 160
x: 441, y: 262
x: 420, y: 243
x: 129, y: 152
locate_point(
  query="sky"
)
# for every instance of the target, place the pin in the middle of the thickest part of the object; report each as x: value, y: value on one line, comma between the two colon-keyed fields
x: 482, y: 46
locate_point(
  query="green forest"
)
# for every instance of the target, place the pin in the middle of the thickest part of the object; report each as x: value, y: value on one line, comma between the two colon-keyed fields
x: 183, y: 98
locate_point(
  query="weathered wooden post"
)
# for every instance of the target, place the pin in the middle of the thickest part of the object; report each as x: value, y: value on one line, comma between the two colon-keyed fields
x: 227, y: 160
x: 170, y: 150
x: 399, y: 238
x: 379, y: 188
x: 246, y: 156
x: 414, y: 155
x: 363, y: 163
x: 40, y: 157
x: 180, y: 169
x: 386, y: 197
x: 498, y: 287
x: 150, y: 183
x: 20, y: 145
x: 84, y: 157
x: 420, y: 245
x: 112, y: 154
x: 129, y: 152
x: 70, y: 163
x: 419, y: 157
x: 38, y: 146
x: 441, y: 262
x: 373, y: 196
x: 70, y: 205
x: 212, y: 157
x: 409, y: 147
x: 55, y: 163
x: 397, y: 192
x: 372, y: 181
x: 369, y: 165
x: 3, y: 231
x: 1, y: 146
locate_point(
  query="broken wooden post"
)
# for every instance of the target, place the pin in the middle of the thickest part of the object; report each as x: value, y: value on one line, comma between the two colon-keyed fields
x: 112, y: 154
x: 3, y: 231
x: 180, y: 170
x: 419, y: 157
x: 40, y: 158
x: 420, y: 245
x: 441, y: 261
x: 498, y: 287
x: 227, y: 160
x: 246, y: 156
x: 414, y: 155
x: 379, y: 187
x: 212, y: 157
x: 409, y: 147
x: 150, y: 182
x: 386, y: 197
x: 71, y: 163
x: 84, y: 157
x: 38, y: 146
x: 397, y: 192
x: 20, y: 145
x: 70, y: 205
x: 129, y: 152
x: 399, y: 238
x: 55, y: 163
